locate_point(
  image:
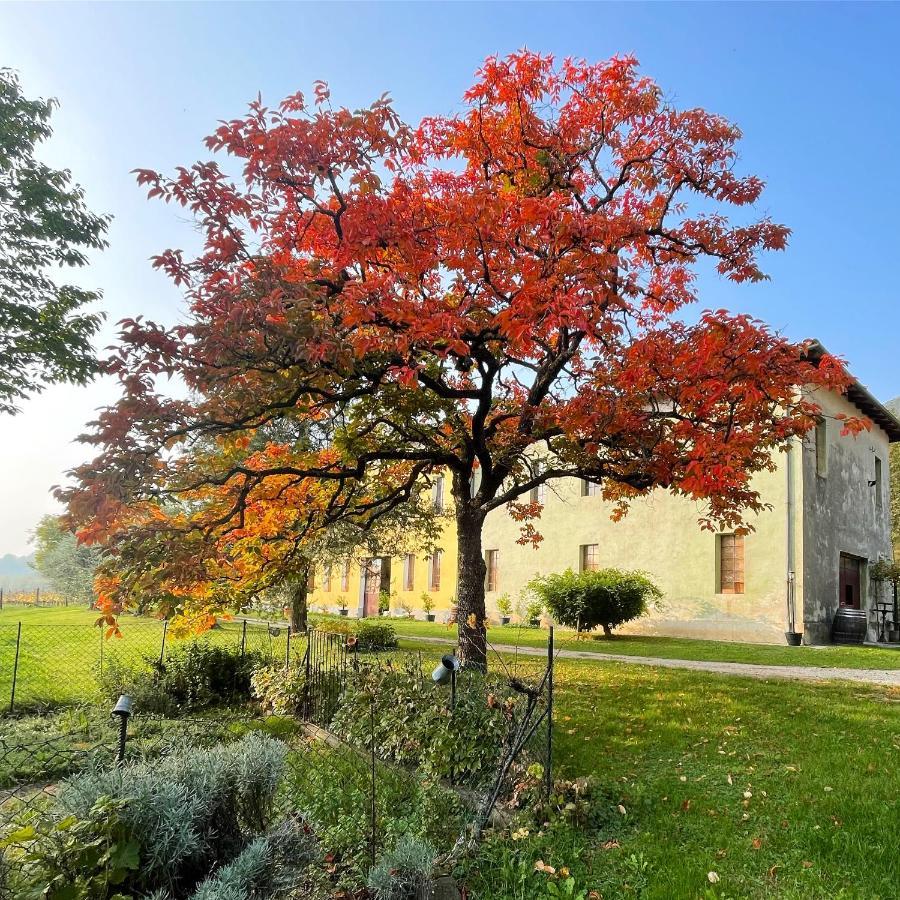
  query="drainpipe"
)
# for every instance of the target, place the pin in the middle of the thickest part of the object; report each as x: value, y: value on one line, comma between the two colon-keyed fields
x: 791, y: 575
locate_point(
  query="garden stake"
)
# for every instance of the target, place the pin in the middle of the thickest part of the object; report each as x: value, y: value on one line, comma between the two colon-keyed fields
x: 374, y: 808
x: 244, y: 639
x: 548, y: 775
x: 287, y: 652
x: 162, y: 646
x: 12, y: 696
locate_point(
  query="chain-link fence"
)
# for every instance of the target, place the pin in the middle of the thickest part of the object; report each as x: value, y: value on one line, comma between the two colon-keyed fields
x: 381, y: 744
x: 48, y: 665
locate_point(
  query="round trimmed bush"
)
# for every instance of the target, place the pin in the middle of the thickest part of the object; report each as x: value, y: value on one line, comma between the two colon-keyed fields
x: 607, y: 597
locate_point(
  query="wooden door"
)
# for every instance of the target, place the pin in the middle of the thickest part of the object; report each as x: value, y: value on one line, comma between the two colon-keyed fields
x: 849, y: 583
x: 372, y: 586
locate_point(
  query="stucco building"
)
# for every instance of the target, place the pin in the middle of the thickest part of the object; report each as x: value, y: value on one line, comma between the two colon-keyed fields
x: 829, y: 518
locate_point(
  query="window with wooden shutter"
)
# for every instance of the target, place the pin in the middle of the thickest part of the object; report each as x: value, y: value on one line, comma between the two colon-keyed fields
x: 345, y: 576
x: 590, y: 557
x: 437, y: 494
x: 731, y: 563
x: 409, y: 571
x: 589, y: 488
x: 538, y: 494
x: 326, y: 579
x: 435, y: 579
x: 492, y: 559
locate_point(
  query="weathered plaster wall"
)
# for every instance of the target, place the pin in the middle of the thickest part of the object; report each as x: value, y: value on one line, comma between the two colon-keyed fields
x: 840, y: 513
x: 661, y: 536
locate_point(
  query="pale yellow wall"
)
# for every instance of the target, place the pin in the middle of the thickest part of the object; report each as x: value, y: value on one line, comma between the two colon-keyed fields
x: 660, y: 536
x: 444, y: 597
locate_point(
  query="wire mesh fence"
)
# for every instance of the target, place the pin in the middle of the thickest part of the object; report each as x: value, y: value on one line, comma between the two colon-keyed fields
x: 377, y: 746
x: 46, y: 665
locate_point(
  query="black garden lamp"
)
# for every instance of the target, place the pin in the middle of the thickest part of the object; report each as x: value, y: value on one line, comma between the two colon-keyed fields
x: 122, y: 711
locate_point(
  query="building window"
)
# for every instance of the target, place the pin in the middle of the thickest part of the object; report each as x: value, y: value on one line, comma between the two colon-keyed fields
x: 538, y: 494
x: 311, y: 581
x: 590, y: 557
x: 326, y: 579
x: 589, y: 488
x: 434, y: 576
x: 731, y: 563
x: 437, y: 494
x: 821, y: 448
x: 878, y: 486
x: 345, y: 576
x: 492, y: 559
x: 409, y: 571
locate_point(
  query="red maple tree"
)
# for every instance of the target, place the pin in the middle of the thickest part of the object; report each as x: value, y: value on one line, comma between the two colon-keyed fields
x: 494, y: 294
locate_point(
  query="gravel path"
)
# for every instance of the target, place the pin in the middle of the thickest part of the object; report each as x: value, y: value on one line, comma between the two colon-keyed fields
x: 888, y: 677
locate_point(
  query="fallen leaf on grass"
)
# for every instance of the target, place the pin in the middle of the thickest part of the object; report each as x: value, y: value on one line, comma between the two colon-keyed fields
x: 610, y: 845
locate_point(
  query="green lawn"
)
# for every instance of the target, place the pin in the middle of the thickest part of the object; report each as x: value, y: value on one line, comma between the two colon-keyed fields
x: 61, y: 651
x: 781, y: 789
x: 673, y: 648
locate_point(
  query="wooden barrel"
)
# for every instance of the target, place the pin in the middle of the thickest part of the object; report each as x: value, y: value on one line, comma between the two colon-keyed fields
x: 849, y: 626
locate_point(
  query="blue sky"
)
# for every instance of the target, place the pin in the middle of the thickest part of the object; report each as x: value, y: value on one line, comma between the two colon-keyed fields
x: 815, y: 88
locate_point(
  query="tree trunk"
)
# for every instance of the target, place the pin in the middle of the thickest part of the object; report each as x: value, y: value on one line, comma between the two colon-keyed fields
x: 471, y: 572
x: 299, y: 587
x: 607, y: 630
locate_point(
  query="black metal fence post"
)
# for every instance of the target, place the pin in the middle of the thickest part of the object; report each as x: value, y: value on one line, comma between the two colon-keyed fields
x: 244, y: 639
x: 162, y: 645
x: 287, y: 651
x: 1, y: 598
x: 548, y: 773
x: 374, y: 838
x: 12, y: 695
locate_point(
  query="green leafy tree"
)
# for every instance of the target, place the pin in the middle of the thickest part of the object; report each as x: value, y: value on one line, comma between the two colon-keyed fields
x: 894, y: 407
x: 44, y: 225
x: 66, y: 564
x: 608, y: 597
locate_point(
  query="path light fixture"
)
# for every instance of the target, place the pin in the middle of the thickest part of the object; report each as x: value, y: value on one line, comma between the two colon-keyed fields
x: 122, y: 711
x: 445, y: 669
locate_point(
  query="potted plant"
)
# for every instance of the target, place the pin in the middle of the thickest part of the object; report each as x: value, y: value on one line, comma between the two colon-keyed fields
x: 533, y: 609
x: 428, y: 606
x: 406, y: 606
x: 342, y: 606
x: 504, y: 607
x: 384, y: 603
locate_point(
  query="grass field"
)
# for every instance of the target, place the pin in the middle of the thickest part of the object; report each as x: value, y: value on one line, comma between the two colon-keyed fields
x: 61, y: 651
x: 673, y: 648
x: 781, y: 789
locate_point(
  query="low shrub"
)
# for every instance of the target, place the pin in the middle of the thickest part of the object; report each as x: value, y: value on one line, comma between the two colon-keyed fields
x: 270, y: 866
x: 150, y: 828
x: 607, y: 597
x: 193, y: 676
x: 280, y: 690
x: 404, y: 872
x: 414, y: 725
x: 375, y: 635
